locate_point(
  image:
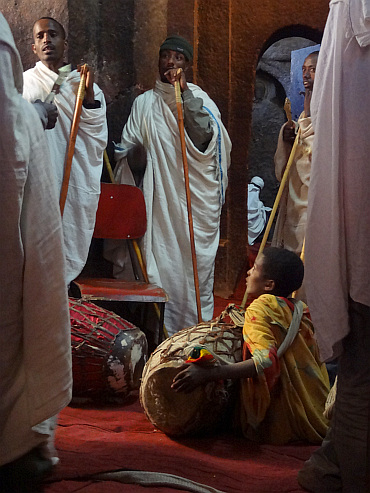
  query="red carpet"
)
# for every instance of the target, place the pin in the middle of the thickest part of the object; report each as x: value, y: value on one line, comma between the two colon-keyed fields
x: 120, y: 437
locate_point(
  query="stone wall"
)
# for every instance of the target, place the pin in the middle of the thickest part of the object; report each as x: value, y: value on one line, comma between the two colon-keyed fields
x: 21, y: 15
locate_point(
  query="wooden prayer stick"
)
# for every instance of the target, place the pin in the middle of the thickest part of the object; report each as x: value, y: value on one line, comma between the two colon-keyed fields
x: 294, y: 295
x: 188, y: 196
x: 303, y: 249
x: 109, y: 167
x: 72, y: 138
x: 276, y: 203
x: 288, y: 109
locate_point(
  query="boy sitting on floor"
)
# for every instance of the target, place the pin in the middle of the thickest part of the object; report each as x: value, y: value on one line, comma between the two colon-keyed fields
x: 281, y: 398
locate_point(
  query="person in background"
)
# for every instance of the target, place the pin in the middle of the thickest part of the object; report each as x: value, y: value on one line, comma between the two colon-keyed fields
x: 84, y: 185
x: 153, y: 123
x: 290, y: 228
x: 258, y: 213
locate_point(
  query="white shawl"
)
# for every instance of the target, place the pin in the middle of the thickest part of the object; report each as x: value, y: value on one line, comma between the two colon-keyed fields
x: 84, y: 185
x: 153, y: 123
x: 35, y: 364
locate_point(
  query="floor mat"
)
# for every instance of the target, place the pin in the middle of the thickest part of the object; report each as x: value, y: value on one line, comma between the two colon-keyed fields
x: 93, y: 440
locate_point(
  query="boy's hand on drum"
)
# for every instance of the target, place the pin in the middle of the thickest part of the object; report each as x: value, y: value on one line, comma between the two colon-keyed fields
x: 189, y: 377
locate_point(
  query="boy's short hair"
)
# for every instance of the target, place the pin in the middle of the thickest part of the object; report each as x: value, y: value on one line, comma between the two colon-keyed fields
x: 285, y: 268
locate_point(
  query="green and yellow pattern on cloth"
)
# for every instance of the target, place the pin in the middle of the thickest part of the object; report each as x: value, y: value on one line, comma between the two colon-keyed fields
x: 286, y: 400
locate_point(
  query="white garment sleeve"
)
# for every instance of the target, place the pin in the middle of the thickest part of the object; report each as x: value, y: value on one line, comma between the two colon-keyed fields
x: 132, y: 134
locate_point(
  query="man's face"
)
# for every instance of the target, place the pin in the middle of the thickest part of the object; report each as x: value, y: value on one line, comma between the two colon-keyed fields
x: 49, y: 43
x: 308, y: 72
x: 171, y: 59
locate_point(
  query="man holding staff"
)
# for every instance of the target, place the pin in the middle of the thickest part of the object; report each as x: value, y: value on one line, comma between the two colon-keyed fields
x: 291, y: 222
x: 84, y: 185
x: 153, y: 123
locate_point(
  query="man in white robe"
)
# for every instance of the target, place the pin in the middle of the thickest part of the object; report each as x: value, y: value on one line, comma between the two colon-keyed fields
x: 84, y: 185
x: 337, y: 247
x: 153, y: 124
x: 35, y: 363
x: 290, y: 226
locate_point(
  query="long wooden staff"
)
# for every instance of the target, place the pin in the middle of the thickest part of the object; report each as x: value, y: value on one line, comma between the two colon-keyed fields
x: 187, y: 190
x: 72, y: 138
x: 294, y: 295
x: 276, y: 203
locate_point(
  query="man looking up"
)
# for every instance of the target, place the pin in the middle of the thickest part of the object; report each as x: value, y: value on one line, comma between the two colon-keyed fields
x: 84, y: 185
x: 153, y: 124
x: 290, y: 226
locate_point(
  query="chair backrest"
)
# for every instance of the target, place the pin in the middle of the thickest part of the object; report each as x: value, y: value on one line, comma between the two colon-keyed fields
x: 121, y: 212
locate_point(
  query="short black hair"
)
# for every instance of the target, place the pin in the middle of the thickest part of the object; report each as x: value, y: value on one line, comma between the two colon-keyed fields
x: 285, y: 268
x: 56, y: 22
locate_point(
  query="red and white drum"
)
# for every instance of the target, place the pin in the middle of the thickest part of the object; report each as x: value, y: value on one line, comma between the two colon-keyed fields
x: 108, y: 353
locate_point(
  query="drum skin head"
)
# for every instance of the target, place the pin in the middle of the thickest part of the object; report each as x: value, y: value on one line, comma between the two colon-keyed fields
x: 177, y: 413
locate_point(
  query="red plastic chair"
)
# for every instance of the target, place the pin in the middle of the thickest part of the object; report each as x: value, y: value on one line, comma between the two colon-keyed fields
x: 121, y: 214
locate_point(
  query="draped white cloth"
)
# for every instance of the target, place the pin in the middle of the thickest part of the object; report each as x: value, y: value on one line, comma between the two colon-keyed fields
x: 256, y: 209
x: 84, y: 186
x: 360, y: 21
x: 338, y: 232
x: 365, y: 4
x: 290, y: 226
x: 35, y: 363
x: 153, y: 124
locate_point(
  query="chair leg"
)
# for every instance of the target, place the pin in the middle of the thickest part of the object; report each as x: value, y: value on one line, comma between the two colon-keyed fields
x: 161, y: 323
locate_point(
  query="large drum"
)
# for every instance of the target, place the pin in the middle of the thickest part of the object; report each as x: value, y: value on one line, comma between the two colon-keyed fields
x: 108, y: 353
x: 177, y: 413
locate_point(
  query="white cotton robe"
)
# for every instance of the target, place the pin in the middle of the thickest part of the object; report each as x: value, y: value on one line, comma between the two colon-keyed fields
x: 153, y: 124
x: 84, y: 185
x: 338, y: 233
x: 35, y: 363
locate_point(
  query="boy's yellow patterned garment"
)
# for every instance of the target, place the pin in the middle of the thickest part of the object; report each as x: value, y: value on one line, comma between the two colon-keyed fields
x: 286, y: 400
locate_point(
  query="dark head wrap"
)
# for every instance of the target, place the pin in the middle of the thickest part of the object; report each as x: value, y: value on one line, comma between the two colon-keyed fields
x: 177, y: 43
